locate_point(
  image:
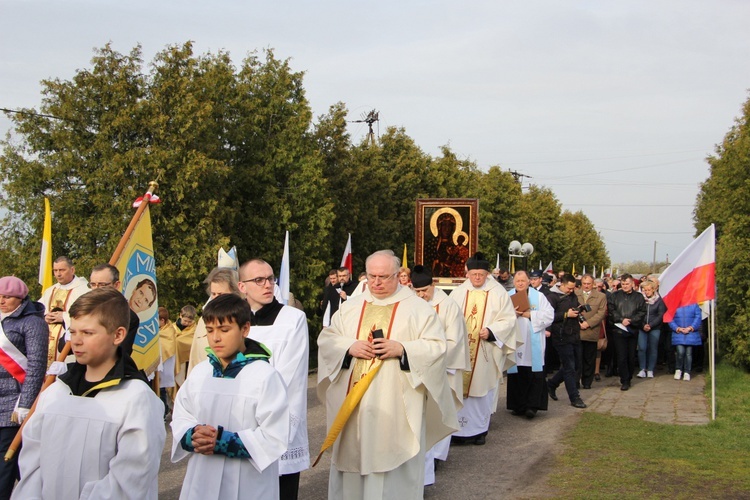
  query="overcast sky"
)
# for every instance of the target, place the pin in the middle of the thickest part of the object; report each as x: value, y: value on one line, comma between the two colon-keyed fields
x: 612, y: 105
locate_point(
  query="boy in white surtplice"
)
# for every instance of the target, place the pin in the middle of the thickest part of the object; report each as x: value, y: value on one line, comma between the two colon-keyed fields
x: 98, y: 431
x: 231, y: 415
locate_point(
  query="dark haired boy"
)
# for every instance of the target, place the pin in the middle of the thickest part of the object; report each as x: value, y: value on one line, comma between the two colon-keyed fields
x: 97, y: 431
x: 232, y: 413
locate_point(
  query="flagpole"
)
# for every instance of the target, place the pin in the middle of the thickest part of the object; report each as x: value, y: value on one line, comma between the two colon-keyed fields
x: 152, y: 186
x: 712, y: 361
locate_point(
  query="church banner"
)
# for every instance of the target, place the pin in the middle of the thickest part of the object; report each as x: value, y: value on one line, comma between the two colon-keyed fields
x: 137, y: 268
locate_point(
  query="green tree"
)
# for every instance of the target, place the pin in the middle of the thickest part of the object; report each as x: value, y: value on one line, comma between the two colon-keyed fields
x: 582, y: 244
x: 729, y: 186
x: 540, y: 219
x: 231, y: 150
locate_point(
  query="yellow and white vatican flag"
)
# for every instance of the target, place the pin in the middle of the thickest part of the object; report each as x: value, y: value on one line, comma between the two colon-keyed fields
x: 134, y: 258
x: 45, y: 257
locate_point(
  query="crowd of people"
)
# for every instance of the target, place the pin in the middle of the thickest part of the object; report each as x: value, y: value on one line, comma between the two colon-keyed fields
x: 394, y: 348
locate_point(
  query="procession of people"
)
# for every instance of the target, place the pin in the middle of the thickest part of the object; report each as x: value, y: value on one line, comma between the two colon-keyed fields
x: 396, y: 350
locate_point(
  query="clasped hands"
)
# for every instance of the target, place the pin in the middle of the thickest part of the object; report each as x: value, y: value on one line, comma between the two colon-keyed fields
x: 204, y: 439
x: 379, y: 348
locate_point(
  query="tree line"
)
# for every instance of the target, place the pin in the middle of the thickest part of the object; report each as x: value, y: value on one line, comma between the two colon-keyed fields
x: 724, y: 199
x: 239, y: 160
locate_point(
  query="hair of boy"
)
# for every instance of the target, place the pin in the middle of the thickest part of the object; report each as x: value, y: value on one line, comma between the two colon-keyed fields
x: 163, y: 314
x: 188, y: 310
x: 223, y: 275
x: 109, y: 267
x: 227, y: 308
x: 107, y: 305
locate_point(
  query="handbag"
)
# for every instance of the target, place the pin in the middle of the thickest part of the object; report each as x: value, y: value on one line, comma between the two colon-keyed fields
x: 601, y: 344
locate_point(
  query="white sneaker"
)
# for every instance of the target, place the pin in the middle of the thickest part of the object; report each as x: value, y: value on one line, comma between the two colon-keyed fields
x: 650, y: 374
x: 677, y: 374
x: 686, y: 376
x: 641, y: 374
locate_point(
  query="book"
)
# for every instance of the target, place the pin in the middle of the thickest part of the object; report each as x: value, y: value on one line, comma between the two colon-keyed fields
x: 520, y: 301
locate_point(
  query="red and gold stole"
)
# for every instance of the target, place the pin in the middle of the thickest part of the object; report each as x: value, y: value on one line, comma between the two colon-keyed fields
x: 371, y: 318
x: 474, y: 308
x: 57, y: 300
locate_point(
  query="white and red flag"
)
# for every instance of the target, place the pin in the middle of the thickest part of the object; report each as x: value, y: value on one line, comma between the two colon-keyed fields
x: 11, y: 358
x: 548, y: 269
x: 346, y: 260
x: 691, y: 279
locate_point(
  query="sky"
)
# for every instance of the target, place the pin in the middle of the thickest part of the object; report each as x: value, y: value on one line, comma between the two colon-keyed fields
x: 614, y: 106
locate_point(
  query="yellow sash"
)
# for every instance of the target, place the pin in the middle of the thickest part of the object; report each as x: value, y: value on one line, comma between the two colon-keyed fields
x: 474, y: 308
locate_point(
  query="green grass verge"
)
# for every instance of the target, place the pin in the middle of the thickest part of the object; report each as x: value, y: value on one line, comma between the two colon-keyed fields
x: 618, y: 457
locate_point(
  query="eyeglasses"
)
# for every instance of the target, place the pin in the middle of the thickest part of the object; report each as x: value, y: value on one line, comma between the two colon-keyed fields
x: 100, y: 285
x: 382, y: 279
x: 261, y: 281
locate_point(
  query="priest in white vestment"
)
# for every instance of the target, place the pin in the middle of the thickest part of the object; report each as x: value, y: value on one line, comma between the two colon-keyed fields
x: 457, y: 355
x: 491, y: 328
x: 527, y: 382
x: 407, y: 407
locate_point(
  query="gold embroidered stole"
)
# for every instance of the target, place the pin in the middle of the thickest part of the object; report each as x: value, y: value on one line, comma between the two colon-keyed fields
x: 58, y: 300
x: 474, y: 308
x: 371, y: 318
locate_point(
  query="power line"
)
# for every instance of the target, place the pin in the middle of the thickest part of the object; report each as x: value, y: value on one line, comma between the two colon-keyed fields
x: 643, y: 232
x: 622, y: 169
x: 601, y: 159
x: 31, y: 113
x: 620, y: 206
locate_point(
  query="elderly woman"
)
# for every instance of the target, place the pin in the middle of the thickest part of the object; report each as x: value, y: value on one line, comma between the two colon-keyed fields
x: 23, y: 339
x: 404, y: 276
x: 648, y: 336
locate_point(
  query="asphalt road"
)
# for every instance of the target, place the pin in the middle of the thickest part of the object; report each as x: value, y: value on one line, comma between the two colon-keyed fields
x: 513, y: 463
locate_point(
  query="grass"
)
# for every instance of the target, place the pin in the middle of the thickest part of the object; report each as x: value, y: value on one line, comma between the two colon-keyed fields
x: 618, y: 457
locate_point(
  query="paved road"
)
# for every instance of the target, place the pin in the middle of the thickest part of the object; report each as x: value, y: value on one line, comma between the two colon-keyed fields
x: 519, y: 453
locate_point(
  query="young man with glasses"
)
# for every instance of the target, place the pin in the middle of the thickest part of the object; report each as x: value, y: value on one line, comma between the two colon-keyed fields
x: 283, y: 329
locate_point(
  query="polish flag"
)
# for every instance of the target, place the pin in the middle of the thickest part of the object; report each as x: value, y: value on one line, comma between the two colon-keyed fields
x: 548, y: 269
x: 346, y: 260
x: 691, y: 279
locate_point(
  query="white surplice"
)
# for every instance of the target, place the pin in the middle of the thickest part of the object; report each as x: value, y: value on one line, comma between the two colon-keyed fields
x: 289, y: 343
x: 254, y: 406
x: 106, y: 446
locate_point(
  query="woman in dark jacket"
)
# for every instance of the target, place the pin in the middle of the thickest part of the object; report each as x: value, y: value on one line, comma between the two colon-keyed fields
x: 648, y: 336
x: 23, y: 340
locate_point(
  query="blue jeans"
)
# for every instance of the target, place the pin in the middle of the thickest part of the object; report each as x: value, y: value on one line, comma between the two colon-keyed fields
x: 567, y: 371
x: 684, y: 355
x: 648, y: 347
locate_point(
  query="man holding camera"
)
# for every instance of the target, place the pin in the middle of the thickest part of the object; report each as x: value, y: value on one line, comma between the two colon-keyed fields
x: 591, y: 319
x: 565, y: 338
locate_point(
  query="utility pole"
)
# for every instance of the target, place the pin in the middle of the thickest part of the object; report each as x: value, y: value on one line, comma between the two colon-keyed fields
x: 653, y: 263
x: 518, y: 176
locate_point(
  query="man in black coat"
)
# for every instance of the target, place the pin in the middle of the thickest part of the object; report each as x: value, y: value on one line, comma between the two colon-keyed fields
x: 565, y: 337
x: 626, y: 314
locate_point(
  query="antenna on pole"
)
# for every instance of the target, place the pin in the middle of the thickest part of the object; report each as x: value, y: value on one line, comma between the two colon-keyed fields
x: 370, y: 118
x: 518, y: 176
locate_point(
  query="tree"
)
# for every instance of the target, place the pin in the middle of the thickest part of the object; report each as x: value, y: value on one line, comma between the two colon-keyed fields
x: 231, y: 150
x: 729, y: 186
x: 582, y: 244
x: 540, y: 218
